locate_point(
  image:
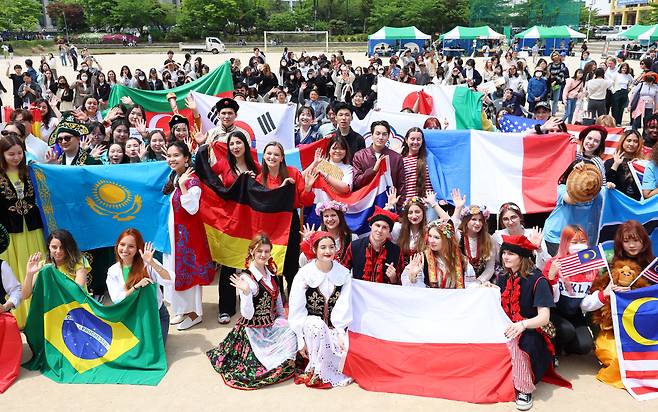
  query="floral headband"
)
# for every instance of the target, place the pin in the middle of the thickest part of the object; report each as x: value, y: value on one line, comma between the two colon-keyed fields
x: 415, y: 200
x: 445, y: 227
x: 330, y: 204
x: 475, y: 210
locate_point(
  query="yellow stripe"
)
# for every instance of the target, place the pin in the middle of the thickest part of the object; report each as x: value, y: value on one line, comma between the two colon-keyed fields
x: 231, y: 251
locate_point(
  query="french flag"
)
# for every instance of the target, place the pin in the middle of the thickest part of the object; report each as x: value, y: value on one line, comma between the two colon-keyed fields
x: 451, y: 346
x: 492, y: 168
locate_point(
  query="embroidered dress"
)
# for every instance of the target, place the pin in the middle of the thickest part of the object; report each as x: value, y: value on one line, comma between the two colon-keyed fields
x: 20, y: 215
x: 261, y: 348
x: 320, y: 312
x: 190, y: 258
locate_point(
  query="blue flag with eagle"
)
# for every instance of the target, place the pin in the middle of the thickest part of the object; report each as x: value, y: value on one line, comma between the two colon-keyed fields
x: 75, y: 339
x: 96, y: 203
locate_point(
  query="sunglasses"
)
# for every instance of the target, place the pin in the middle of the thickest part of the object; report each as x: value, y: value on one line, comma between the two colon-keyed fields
x: 8, y: 133
x: 64, y: 138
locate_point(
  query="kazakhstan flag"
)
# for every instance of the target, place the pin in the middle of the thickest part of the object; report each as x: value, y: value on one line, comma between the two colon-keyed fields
x: 75, y: 339
x: 96, y: 203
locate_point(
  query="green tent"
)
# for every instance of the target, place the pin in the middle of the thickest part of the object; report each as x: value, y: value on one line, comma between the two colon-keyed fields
x: 631, y: 33
x: 470, y: 33
x: 395, y: 33
x: 555, y: 32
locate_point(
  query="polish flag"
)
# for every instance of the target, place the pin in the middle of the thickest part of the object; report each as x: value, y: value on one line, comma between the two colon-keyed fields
x: 492, y: 168
x: 451, y: 346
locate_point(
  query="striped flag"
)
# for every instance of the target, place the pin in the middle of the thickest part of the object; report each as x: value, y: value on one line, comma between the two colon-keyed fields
x: 651, y: 271
x: 583, y: 261
x: 637, y: 171
x: 634, y: 315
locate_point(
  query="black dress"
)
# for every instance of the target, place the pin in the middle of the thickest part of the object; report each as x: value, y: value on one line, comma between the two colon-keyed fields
x: 534, y: 291
x: 622, y: 178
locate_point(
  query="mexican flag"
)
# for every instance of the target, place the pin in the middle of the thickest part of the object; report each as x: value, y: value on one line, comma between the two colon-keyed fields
x: 218, y: 82
x: 75, y: 339
x: 460, y: 106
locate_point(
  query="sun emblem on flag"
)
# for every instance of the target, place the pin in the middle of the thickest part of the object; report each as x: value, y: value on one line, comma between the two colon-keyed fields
x: 112, y: 199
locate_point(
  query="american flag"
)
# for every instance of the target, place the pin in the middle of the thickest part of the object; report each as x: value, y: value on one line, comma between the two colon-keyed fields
x: 517, y: 124
x: 651, y: 271
x: 583, y: 261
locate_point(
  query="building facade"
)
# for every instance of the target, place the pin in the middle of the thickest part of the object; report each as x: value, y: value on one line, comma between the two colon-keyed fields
x: 628, y: 12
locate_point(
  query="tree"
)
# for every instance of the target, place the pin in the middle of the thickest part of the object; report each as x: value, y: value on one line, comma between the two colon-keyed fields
x: 201, y: 18
x: 74, y: 13
x: 96, y: 12
x: 151, y: 13
x: 19, y: 15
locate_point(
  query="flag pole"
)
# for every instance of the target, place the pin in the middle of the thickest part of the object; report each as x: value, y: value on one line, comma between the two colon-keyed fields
x: 643, y: 272
x: 605, y: 259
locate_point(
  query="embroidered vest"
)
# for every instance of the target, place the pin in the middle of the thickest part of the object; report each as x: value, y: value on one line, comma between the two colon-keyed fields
x: 264, y: 306
x: 359, y: 256
x: 14, y: 210
x: 318, y: 305
x: 3, y: 292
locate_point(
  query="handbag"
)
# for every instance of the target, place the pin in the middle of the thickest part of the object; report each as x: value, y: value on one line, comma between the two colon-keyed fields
x: 636, y: 99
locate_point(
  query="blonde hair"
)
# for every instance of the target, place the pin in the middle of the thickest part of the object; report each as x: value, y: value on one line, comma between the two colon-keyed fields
x: 606, y: 120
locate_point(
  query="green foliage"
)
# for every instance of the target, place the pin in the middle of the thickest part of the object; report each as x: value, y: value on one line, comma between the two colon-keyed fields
x: 67, y: 14
x: 201, y: 18
x: 96, y: 12
x: 428, y: 16
x: 19, y: 15
x: 138, y: 13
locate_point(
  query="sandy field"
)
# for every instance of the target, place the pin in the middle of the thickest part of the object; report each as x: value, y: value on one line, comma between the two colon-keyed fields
x: 192, y: 383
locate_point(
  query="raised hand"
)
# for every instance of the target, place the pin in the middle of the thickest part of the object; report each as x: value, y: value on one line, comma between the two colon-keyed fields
x: 393, y: 197
x: 430, y: 198
x: 307, y: 231
x: 390, y: 271
x: 84, y: 142
x: 185, y: 177
x: 458, y: 199
x: 147, y: 253
x: 97, y: 151
x: 309, y: 179
x: 536, y: 236
x: 34, y: 263
x: 287, y: 180
x: 140, y: 125
x: 191, y: 104
x: 415, y: 266
x: 51, y: 157
x: 143, y: 149
x: 240, y: 284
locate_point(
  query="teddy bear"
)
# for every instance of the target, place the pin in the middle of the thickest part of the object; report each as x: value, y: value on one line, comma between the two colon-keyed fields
x: 623, y: 273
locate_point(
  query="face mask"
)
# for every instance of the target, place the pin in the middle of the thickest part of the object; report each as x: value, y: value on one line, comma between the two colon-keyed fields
x: 83, y: 78
x: 142, y: 77
x: 575, y: 248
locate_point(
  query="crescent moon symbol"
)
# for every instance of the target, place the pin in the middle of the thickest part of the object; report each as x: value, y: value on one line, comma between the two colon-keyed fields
x: 628, y: 320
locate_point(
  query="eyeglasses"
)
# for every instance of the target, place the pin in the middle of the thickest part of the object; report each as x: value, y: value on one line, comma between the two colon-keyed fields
x: 66, y: 138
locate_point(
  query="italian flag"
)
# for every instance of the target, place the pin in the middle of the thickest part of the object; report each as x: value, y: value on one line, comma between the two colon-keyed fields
x: 218, y: 82
x: 459, y: 105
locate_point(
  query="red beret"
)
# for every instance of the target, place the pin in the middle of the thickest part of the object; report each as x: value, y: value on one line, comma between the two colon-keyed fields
x: 385, y: 215
x: 519, y: 245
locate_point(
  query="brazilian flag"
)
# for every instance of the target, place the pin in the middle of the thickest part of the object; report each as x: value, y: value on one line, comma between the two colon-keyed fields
x: 75, y: 339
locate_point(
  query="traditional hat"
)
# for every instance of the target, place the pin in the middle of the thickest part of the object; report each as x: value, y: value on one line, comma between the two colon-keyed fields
x: 583, y: 133
x: 330, y: 204
x: 68, y: 124
x: 317, y: 236
x: 583, y: 184
x: 519, y: 245
x: 178, y: 119
x: 383, y: 215
x: 4, y: 239
x: 475, y: 210
x: 227, y: 103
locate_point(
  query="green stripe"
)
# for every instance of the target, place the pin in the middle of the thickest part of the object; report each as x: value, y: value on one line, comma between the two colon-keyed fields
x: 468, y: 108
x: 215, y: 82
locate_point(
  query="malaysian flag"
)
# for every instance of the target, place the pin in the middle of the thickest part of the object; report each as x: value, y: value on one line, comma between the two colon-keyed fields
x: 583, y: 261
x: 517, y: 124
x: 651, y: 271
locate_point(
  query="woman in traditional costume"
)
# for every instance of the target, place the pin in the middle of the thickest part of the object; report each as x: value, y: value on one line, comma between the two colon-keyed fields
x: 261, y: 348
x: 19, y: 213
x: 190, y: 258
x: 439, y: 264
x: 332, y: 214
x: 320, y: 312
x: 475, y: 241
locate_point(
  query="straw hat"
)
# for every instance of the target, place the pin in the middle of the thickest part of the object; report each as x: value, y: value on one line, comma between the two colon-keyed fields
x: 585, y: 183
x: 653, y: 75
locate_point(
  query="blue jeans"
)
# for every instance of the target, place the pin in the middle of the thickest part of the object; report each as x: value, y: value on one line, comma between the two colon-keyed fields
x: 555, y: 100
x: 569, y: 110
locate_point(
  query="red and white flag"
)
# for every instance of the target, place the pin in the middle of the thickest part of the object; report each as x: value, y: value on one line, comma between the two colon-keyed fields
x: 430, y: 342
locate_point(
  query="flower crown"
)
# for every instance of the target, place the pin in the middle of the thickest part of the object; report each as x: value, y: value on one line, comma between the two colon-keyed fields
x: 475, y: 210
x: 443, y: 226
x: 415, y: 200
x: 330, y: 204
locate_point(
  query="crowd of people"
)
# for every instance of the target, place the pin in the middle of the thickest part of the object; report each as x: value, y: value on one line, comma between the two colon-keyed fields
x: 293, y: 320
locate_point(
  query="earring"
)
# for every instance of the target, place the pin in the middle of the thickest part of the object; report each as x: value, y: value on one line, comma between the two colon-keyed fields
x: 187, y: 164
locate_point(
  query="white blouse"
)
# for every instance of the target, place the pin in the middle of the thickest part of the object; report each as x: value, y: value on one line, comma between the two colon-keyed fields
x: 247, y: 301
x: 11, y: 285
x: 311, y: 277
x: 469, y: 276
x: 116, y: 285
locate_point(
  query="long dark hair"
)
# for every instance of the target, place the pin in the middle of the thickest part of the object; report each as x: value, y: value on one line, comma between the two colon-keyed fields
x: 7, y: 142
x: 653, y: 156
x: 232, y: 161
x: 182, y: 147
x: 73, y: 254
x: 404, y: 241
x: 283, y: 168
x: 49, y: 114
x: 150, y: 154
x: 421, y: 164
x: 344, y: 230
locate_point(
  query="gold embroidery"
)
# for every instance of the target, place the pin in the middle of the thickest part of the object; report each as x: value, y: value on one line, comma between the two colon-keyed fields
x: 315, y: 303
x: 44, y: 194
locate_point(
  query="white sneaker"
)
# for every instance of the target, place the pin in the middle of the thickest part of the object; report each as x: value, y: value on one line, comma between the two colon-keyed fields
x: 523, y: 401
x: 188, y: 323
x: 176, y: 319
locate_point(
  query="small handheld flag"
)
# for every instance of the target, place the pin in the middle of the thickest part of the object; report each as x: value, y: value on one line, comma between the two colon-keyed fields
x: 650, y: 272
x: 583, y: 261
